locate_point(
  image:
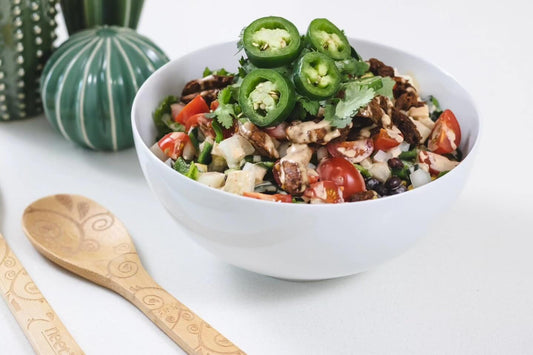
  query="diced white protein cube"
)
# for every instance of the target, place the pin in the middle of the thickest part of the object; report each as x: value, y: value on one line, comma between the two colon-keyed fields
x: 234, y: 149
x: 212, y: 178
x: 256, y: 169
x: 239, y: 182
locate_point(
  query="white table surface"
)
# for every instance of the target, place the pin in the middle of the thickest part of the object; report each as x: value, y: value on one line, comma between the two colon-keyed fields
x: 465, y: 288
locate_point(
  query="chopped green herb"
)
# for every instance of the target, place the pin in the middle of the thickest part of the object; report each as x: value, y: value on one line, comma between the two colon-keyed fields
x: 434, y: 108
x: 386, y: 88
x: 352, y: 66
x: 225, y: 112
x: 221, y: 72
x: 189, y: 170
x: 366, y: 174
x: 355, y: 96
x: 219, y: 135
x: 402, y: 173
x: 442, y: 173
x: 408, y: 155
x: 266, y: 164
x: 159, y: 115
x: 193, y: 136
x: 205, y: 154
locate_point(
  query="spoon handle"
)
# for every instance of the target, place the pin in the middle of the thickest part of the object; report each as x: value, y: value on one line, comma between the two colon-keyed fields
x: 43, y: 328
x: 182, y: 325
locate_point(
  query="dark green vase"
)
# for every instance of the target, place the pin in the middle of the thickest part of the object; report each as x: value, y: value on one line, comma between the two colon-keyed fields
x: 83, y: 14
x: 89, y: 84
x: 27, y: 32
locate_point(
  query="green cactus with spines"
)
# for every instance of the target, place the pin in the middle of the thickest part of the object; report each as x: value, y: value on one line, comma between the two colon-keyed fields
x: 84, y: 14
x: 27, y: 34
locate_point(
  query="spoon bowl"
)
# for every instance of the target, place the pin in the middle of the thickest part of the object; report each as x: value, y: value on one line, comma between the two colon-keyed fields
x: 82, y: 236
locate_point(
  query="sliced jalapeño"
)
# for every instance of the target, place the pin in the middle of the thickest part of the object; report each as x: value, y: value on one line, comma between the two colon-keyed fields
x: 266, y: 97
x: 326, y: 38
x: 316, y: 76
x: 271, y: 42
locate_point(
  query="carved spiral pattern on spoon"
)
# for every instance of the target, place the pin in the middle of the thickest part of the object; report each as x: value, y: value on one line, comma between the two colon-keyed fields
x: 100, y: 222
x: 124, y: 266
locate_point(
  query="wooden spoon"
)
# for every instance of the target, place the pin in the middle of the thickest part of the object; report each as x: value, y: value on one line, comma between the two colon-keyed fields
x: 43, y: 328
x: 80, y: 235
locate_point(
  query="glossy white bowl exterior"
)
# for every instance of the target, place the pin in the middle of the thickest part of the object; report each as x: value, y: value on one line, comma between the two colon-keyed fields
x: 293, y: 241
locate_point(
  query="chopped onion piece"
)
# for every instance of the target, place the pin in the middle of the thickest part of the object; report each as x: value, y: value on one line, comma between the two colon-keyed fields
x: 382, y: 156
x: 404, y: 146
x: 158, y: 152
x: 419, y: 177
x: 321, y: 153
x: 189, y: 151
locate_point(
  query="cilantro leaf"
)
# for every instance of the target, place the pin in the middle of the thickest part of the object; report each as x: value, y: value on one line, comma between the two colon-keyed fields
x: 355, y: 97
x: 361, y: 67
x: 386, y: 88
x: 206, y: 72
x: 225, y: 112
x: 304, y: 107
x: 309, y: 105
x: 352, y: 66
x: 334, y: 120
x: 221, y: 72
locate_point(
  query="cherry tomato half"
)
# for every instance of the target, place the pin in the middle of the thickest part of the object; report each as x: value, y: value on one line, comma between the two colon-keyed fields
x: 446, y: 134
x: 172, y: 144
x: 354, y: 151
x: 265, y: 197
x: 383, y: 141
x: 436, y: 162
x: 325, y: 191
x: 197, y: 105
x: 200, y: 120
x: 342, y: 173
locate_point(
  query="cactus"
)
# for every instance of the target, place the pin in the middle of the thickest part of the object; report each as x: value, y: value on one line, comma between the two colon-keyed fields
x: 89, y: 84
x: 27, y: 33
x: 83, y: 14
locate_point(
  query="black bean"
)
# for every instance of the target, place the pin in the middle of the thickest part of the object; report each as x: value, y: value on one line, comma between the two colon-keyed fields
x: 395, y: 163
x: 393, y: 183
x: 381, y: 190
x: 371, y: 183
x: 400, y: 189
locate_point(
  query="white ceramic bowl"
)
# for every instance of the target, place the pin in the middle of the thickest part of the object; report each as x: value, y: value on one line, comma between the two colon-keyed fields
x: 294, y: 241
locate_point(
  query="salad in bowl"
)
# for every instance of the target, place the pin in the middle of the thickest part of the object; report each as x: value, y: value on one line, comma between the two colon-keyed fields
x: 305, y: 119
x: 219, y: 168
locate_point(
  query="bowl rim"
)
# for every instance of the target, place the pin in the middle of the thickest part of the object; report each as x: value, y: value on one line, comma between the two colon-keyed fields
x: 329, y: 206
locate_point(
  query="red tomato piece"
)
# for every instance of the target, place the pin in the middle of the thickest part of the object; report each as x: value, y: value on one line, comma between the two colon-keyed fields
x: 446, y: 135
x: 325, y: 191
x: 436, y: 162
x: 197, y: 105
x: 354, y: 151
x: 265, y: 197
x: 383, y: 141
x: 199, y: 120
x: 214, y: 105
x: 342, y: 173
x: 172, y: 144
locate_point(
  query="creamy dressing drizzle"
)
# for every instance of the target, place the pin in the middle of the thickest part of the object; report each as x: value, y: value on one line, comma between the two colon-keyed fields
x: 307, y: 132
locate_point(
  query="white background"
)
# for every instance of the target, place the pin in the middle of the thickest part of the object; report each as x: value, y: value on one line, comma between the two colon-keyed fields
x: 466, y: 288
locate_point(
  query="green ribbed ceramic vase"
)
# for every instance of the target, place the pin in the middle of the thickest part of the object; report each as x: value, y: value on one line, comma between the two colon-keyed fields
x: 89, y: 84
x: 27, y: 32
x: 83, y: 14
